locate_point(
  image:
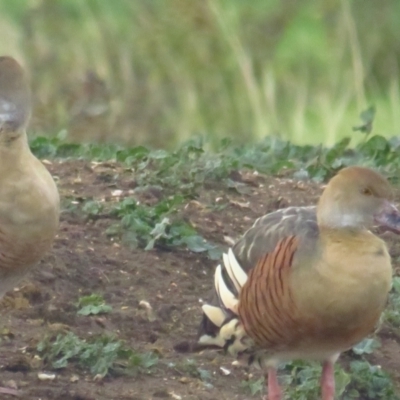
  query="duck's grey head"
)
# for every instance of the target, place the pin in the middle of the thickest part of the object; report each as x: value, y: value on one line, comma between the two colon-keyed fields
x: 15, y: 98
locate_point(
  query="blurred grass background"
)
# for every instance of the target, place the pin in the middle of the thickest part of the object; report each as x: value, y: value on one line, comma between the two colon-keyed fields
x: 158, y: 71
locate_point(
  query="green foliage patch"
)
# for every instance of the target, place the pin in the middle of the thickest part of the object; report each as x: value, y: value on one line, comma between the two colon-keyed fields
x: 193, y: 163
x: 189, y: 367
x: 92, y: 305
x: 154, y: 226
x: 101, y: 355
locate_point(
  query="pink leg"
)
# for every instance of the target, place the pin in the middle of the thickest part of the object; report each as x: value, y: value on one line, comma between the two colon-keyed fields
x: 274, y: 390
x: 328, y: 381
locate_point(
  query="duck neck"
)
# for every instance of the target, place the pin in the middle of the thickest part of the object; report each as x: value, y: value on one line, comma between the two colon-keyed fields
x: 13, y: 149
x: 334, y: 214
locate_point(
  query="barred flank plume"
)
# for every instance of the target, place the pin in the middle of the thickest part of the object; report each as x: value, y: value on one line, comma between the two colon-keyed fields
x: 263, y: 312
x: 266, y: 308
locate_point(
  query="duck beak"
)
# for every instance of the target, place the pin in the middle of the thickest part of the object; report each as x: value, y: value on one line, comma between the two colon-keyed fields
x: 388, y: 218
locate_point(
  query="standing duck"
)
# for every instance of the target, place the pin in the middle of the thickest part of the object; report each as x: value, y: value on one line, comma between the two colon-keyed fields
x: 306, y: 282
x: 29, y: 201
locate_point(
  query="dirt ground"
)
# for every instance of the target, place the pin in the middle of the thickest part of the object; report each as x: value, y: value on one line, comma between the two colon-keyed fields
x: 85, y: 260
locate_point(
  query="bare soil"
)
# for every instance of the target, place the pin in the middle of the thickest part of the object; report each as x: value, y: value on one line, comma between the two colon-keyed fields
x: 85, y: 260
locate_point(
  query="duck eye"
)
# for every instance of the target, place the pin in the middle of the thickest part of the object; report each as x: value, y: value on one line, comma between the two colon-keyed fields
x: 366, y: 191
